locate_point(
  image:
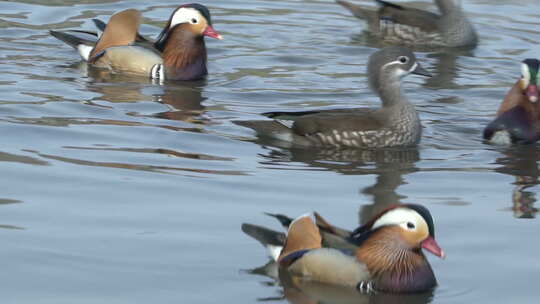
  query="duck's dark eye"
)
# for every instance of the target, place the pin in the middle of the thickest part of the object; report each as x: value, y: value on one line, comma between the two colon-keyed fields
x: 410, y: 225
x: 194, y: 21
x: 403, y: 59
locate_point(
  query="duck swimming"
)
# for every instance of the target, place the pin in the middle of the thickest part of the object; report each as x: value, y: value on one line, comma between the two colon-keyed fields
x: 383, y: 255
x: 179, y: 52
x: 396, y: 123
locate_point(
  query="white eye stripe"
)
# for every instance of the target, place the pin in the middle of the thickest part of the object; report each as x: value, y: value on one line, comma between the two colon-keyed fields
x: 185, y: 15
x: 390, y: 63
x: 399, y: 62
x: 399, y: 216
x: 399, y: 72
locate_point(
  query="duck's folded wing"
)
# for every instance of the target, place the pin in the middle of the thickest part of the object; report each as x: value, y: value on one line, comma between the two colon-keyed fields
x: 324, y: 225
x: 368, y: 14
x: 283, y: 115
x: 424, y: 20
x: 328, y: 121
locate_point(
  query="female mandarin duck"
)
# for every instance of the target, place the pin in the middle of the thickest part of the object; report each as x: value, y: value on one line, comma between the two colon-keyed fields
x: 397, y: 24
x: 386, y: 253
x: 518, y: 117
x: 179, y: 53
x: 395, y: 124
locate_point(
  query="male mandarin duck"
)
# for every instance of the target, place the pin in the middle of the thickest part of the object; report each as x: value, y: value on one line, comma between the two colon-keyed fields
x: 383, y: 255
x: 401, y: 25
x: 395, y: 124
x: 179, y: 52
x: 518, y: 117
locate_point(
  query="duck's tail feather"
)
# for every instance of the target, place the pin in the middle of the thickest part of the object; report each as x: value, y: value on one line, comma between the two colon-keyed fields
x: 75, y: 38
x: 283, y: 219
x: 280, y: 132
x: 82, y: 41
x: 272, y: 240
x: 264, y: 126
x: 358, y: 11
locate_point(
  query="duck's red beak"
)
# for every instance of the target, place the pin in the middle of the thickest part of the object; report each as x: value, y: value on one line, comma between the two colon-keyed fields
x: 211, y: 32
x: 532, y: 92
x: 431, y: 245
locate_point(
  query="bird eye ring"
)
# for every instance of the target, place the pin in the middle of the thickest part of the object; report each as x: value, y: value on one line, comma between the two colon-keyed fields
x: 194, y: 21
x: 410, y: 225
x: 403, y: 59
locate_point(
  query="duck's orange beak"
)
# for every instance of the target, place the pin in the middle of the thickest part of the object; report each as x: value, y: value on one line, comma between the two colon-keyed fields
x: 431, y: 245
x: 532, y: 92
x: 211, y: 32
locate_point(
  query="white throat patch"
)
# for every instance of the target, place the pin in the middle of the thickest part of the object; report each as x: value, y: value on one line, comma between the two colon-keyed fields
x: 526, y: 74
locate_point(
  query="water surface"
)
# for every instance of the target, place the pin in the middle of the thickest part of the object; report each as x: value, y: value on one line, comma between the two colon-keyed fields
x: 119, y: 190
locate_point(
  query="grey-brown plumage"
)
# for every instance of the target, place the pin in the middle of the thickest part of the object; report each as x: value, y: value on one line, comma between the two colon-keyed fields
x: 401, y: 25
x: 395, y: 124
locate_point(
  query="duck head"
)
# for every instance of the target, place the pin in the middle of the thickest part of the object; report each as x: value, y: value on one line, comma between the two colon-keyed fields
x: 391, y: 247
x: 518, y: 117
x: 387, y: 67
x: 192, y: 19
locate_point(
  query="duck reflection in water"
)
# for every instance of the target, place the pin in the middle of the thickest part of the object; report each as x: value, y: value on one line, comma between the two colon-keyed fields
x: 389, y: 165
x: 297, y: 291
x: 389, y: 177
x: 522, y: 163
x: 183, y: 99
x: 447, y: 69
x: 185, y: 103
